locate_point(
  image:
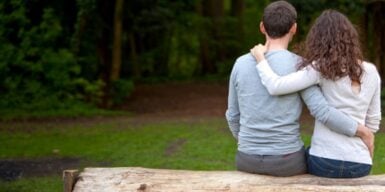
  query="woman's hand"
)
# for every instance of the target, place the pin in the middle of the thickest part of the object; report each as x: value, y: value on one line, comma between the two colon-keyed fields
x: 259, y: 51
x: 367, y: 137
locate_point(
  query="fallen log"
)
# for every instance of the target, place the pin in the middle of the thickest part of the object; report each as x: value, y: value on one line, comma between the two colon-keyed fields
x: 144, y: 179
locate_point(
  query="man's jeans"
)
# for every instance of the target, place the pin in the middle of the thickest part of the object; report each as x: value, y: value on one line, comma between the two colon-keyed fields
x: 276, y: 165
x: 324, y: 167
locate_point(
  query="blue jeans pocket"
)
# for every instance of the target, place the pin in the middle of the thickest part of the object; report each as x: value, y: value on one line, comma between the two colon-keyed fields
x: 319, y: 167
x: 359, y: 170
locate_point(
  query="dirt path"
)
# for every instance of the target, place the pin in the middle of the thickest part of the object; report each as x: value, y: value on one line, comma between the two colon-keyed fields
x: 178, y: 100
x: 183, y: 101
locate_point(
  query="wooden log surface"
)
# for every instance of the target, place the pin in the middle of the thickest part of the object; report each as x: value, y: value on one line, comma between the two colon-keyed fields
x: 144, y: 179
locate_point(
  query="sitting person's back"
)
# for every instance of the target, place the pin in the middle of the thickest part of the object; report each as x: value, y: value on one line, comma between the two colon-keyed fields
x: 339, y: 94
x: 269, y: 128
x: 269, y: 125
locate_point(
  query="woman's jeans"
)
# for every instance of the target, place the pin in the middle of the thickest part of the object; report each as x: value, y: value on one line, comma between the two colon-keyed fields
x: 325, y: 167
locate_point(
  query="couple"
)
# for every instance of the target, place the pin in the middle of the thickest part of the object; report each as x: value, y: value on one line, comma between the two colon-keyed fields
x: 264, y: 105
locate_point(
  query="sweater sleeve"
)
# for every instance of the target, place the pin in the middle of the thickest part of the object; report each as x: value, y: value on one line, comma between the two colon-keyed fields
x: 293, y: 82
x: 232, y: 112
x: 373, y: 115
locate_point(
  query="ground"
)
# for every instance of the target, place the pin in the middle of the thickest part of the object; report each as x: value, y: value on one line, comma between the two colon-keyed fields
x: 178, y: 100
x: 148, y: 103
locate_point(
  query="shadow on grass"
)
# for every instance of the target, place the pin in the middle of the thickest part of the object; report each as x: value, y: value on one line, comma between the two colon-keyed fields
x: 14, y: 169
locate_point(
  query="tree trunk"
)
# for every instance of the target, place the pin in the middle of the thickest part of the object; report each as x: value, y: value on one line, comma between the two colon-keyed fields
x: 103, y: 54
x: 103, y: 51
x: 210, y: 40
x: 364, y: 25
x: 374, y: 41
x: 133, y: 55
x: 117, y: 45
x: 142, y: 179
x: 203, y: 42
x: 379, y: 36
x: 237, y: 8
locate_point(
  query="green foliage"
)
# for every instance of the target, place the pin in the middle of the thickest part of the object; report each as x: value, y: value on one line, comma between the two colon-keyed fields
x: 120, y: 90
x: 91, y: 92
x: 184, y: 48
x: 383, y: 99
x: 35, y: 72
x: 308, y: 11
x: 84, y: 41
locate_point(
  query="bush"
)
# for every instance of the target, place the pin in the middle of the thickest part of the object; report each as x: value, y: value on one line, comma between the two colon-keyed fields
x: 38, y: 72
x: 121, y: 89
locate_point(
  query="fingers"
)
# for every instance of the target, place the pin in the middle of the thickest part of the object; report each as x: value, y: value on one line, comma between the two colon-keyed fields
x: 370, y: 144
x: 371, y: 150
x: 257, y: 48
x: 258, y: 52
x: 368, y: 138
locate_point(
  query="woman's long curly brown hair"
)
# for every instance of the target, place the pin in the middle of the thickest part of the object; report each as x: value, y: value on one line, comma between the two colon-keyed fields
x: 333, y: 43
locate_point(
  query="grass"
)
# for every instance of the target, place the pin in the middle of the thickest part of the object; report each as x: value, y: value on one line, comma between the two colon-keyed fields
x: 202, y: 145
x: 128, y: 145
x: 196, y: 145
x: 65, y: 109
x: 71, y: 112
x: 39, y: 184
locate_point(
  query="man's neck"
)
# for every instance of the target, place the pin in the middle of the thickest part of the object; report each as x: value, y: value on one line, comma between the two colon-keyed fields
x: 278, y: 44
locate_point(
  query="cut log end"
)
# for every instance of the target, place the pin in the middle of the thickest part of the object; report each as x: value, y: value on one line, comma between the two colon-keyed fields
x: 70, y: 177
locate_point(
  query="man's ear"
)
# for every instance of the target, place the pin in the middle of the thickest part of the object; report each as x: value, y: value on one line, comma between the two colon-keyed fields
x: 293, y: 29
x: 262, y: 28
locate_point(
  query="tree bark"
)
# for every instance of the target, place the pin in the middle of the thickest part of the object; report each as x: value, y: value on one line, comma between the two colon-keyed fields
x: 237, y: 8
x: 375, y: 38
x: 379, y: 37
x: 117, y: 45
x: 133, y: 55
x: 142, y: 179
x: 103, y: 51
x: 210, y: 46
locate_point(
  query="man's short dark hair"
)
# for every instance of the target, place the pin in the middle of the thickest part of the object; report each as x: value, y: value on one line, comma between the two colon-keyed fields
x: 278, y: 18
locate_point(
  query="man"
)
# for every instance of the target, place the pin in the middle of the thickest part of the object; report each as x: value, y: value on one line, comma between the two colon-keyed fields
x: 266, y: 126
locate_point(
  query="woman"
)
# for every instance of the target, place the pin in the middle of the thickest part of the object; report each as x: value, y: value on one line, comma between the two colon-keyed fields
x: 333, y: 59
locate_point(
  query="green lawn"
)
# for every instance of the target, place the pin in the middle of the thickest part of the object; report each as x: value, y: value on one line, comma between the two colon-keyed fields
x: 196, y: 145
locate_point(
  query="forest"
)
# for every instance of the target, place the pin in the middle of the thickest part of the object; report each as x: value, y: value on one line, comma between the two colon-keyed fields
x: 64, y: 53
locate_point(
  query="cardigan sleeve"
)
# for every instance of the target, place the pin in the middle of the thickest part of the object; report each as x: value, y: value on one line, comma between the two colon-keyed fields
x: 373, y: 115
x: 293, y: 82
